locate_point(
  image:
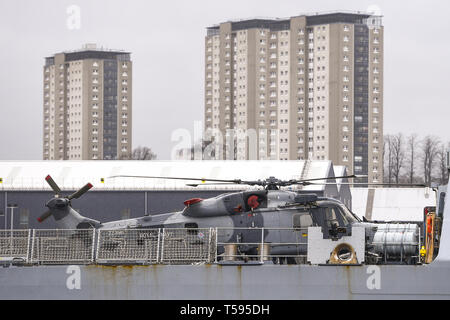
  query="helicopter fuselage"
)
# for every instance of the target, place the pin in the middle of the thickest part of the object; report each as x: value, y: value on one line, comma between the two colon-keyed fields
x: 276, y: 216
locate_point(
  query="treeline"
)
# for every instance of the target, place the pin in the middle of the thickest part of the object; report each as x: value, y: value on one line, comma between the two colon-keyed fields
x: 412, y: 159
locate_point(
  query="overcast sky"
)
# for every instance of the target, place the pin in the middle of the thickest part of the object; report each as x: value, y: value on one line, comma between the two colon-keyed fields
x: 166, y: 39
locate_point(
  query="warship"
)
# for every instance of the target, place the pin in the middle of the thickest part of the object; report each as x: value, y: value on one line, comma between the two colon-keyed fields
x: 131, y: 260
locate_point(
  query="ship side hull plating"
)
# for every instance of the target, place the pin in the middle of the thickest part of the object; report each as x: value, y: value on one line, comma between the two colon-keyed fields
x: 206, y: 282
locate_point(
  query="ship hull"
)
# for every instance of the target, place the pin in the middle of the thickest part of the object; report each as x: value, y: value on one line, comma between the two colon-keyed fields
x: 223, y: 282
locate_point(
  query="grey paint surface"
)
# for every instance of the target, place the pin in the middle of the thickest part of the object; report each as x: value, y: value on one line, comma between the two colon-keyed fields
x: 262, y: 282
x: 227, y: 282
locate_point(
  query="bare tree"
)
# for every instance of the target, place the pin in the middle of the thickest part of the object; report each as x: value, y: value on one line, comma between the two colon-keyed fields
x: 430, y: 147
x: 442, y: 160
x: 411, y: 148
x: 143, y: 153
x: 398, y: 155
x: 388, y: 157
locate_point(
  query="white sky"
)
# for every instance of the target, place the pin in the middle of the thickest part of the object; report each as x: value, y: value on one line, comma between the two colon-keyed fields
x: 166, y: 39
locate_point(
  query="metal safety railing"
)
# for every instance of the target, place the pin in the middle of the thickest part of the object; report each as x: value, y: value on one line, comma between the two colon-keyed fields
x: 15, y: 243
x: 152, y: 246
x: 168, y: 246
x: 62, y: 246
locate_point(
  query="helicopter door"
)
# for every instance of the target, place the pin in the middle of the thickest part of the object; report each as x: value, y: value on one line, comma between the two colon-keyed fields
x: 271, y: 223
x: 300, y: 223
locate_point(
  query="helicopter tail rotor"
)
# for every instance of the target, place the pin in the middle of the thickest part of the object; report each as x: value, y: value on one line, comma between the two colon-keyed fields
x: 53, y: 185
x: 44, y: 216
x: 80, y: 192
x: 60, y: 208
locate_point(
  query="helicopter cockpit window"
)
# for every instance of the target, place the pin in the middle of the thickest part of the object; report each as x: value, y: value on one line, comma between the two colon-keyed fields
x: 302, y: 220
x: 331, y: 216
x: 336, y: 215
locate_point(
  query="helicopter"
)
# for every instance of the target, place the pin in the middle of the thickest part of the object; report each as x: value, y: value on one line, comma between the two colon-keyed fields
x: 240, y: 215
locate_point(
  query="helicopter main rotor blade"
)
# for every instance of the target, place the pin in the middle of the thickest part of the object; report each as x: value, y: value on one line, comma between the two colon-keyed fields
x: 235, y: 181
x: 44, y: 216
x: 265, y: 182
x: 80, y: 192
x: 53, y: 184
x: 329, y: 178
x: 211, y: 184
x: 374, y: 184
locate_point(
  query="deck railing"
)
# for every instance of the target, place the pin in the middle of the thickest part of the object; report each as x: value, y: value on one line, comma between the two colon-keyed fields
x: 149, y: 246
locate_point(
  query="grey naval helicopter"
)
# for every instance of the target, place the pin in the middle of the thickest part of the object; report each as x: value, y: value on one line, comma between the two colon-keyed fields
x: 241, y: 215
